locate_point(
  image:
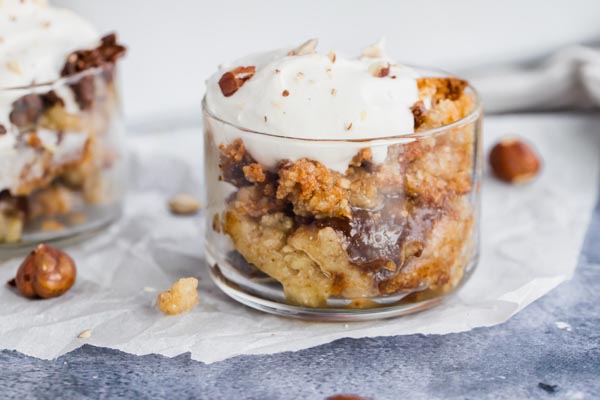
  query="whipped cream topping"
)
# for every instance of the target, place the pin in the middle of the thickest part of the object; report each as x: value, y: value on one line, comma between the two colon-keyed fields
x: 310, y: 95
x: 35, y: 40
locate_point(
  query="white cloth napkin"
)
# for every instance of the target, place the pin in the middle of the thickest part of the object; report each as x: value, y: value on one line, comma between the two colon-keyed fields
x: 569, y: 78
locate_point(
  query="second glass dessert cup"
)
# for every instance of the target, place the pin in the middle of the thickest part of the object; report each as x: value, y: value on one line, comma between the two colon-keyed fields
x: 62, y: 167
x: 394, y: 231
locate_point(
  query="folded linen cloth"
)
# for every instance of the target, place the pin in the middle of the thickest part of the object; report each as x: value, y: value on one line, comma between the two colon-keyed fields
x: 568, y: 79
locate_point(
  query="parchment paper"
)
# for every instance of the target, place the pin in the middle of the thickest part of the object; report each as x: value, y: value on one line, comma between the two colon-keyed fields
x: 531, y: 234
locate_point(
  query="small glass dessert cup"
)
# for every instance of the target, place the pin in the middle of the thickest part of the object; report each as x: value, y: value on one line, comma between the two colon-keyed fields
x: 62, y: 158
x: 389, y: 226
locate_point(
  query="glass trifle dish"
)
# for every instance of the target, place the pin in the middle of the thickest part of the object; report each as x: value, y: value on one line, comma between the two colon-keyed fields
x: 340, y: 188
x: 60, y: 124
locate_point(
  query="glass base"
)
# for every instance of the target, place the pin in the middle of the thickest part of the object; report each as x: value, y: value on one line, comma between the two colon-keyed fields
x: 266, y: 294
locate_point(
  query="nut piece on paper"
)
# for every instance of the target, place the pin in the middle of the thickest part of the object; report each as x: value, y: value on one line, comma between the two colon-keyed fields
x: 184, y: 204
x: 46, y: 272
x: 514, y: 161
x: 182, y: 297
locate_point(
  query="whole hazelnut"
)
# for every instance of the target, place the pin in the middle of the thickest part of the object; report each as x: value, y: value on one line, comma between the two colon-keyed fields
x: 514, y: 161
x: 46, y: 272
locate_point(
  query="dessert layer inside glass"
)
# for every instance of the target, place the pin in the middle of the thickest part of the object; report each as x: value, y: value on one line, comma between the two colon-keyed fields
x: 398, y: 220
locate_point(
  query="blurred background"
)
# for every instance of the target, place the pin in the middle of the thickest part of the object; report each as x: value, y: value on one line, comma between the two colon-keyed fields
x: 175, y: 45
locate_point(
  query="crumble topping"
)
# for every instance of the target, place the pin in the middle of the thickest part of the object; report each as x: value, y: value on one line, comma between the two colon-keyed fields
x: 313, y: 189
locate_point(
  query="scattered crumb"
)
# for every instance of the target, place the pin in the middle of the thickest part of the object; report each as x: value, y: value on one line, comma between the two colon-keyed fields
x: 300, y: 76
x: 305, y: 48
x: 285, y: 93
x: 363, y: 116
x: 277, y: 71
x: 563, y: 325
x: 85, y: 334
x: 184, y: 204
x: 182, y: 297
x: 14, y: 67
x: 149, y: 289
x: 349, y: 126
x: 52, y: 225
x: 375, y: 50
x: 333, y: 91
x: 346, y: 326
x: 266, y: 119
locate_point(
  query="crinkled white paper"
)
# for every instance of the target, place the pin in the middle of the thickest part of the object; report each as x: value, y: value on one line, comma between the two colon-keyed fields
x: 531, y: 234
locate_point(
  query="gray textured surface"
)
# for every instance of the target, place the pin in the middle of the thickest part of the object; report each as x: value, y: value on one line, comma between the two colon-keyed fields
x: 504, y: 362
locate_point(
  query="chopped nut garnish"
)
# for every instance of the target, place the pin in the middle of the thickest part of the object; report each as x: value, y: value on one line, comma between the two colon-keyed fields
x: 380, y: 69
x: 332, y: 56
x: 103, y: 56
x: 305, y: 48
x: 14, y: 67
x: 85, y: 334
x: 182, y: 297
x: 184, y: 204
x: 232, y: 80
x: 285, y: 93
x: 374, y: 50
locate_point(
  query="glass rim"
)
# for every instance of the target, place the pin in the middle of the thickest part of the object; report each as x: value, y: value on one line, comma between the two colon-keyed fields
x: 60, y: 81
x: 473, y: 115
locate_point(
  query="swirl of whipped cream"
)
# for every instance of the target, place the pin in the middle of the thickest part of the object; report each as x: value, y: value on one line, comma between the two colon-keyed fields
x: 304, y: 94
x: 35, y: 40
